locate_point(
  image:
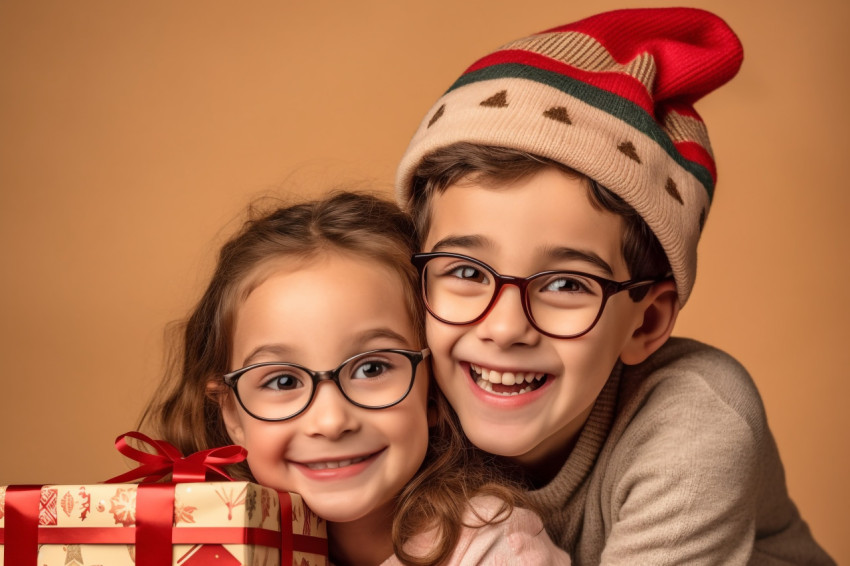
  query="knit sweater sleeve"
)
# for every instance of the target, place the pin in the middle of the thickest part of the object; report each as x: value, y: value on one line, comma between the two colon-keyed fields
x: 682, y: 484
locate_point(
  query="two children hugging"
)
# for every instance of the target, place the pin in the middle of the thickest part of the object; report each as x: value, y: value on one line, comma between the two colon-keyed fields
x: 557, y: 192
x: 324, y: 291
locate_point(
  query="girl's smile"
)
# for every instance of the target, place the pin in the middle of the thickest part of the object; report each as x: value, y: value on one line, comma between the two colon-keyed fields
x: 337, y: 468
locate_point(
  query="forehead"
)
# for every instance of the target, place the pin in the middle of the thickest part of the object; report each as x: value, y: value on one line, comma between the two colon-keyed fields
x: 332, y: 279
x: 520, y: 226
x: 323, y: 310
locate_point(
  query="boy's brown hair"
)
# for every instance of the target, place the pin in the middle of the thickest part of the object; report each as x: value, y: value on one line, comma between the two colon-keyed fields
x: 500, y: 166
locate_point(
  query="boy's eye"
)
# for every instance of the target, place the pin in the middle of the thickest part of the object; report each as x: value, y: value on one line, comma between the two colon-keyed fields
x: 566, y: 284
x: 469, y: 273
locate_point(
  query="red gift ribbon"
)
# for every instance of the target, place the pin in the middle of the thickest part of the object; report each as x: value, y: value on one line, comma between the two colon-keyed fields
x: 154, y: 533
x: 168, y: 460
x: 155, y: 502
x: 21, y: 548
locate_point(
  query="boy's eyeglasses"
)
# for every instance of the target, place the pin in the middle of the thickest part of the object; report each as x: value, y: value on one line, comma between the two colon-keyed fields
x: 277, y: 391
x: 560, y: 304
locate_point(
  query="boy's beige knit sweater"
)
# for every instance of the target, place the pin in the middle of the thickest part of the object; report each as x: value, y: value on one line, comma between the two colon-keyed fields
x: 676, y: 465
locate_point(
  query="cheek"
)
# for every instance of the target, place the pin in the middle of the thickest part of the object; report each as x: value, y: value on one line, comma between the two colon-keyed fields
x: 441, y: 338
x: 432, y: 331
x: 615, y: 329
x: 592, y: 357
x: 266, y: 445
x: 418, y: 446
x: 412, y: 430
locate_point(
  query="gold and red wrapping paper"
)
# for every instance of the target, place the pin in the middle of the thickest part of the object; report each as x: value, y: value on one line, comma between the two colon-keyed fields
x: 188, y: 523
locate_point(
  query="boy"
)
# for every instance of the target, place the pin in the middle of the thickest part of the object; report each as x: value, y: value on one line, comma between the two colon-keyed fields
x: 559, y: 190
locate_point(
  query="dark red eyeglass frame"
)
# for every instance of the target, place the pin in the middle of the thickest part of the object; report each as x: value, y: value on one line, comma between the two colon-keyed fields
x: 609, y: 288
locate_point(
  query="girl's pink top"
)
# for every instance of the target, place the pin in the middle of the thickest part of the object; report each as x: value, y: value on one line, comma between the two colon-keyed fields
x: 519, y: 540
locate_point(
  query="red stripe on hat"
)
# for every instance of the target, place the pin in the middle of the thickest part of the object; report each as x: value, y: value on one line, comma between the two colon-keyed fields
x: 692, y: 151
x: 618, y: 83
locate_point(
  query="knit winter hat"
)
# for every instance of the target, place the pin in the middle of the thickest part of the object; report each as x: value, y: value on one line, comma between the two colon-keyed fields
x: 610, y: 96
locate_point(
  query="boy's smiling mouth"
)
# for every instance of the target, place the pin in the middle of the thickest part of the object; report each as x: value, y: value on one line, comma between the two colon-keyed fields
x: 506, y: 383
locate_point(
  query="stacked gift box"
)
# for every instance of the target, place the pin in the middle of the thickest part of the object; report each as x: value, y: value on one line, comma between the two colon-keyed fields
x: 156, y: 523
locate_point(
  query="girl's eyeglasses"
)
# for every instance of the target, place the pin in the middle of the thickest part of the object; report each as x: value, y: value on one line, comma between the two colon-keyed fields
x: 277, y: 391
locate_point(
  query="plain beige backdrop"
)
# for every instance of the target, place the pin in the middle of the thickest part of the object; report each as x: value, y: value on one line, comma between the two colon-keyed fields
x: 133, y: 134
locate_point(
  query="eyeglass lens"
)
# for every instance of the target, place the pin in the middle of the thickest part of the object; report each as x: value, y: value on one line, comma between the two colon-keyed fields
x: 459, y: 291
x: 278, y: 391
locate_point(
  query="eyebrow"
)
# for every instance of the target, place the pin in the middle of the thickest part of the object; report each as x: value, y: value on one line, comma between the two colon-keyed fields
x: 565, y: 253
x: 378, y: 333
x: 555, y: 253
x: 469, y: 242
x: 281, y: 351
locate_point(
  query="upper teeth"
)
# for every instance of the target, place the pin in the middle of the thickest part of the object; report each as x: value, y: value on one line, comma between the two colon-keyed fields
x: 334, y: 464
x: 506, y: 377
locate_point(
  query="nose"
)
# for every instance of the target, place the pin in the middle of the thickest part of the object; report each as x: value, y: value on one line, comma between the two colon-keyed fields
x: 330, y: 415
x: 506, y: 324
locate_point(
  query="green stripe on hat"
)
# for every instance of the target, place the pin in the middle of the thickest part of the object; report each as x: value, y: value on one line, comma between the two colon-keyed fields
x: 617, y: 106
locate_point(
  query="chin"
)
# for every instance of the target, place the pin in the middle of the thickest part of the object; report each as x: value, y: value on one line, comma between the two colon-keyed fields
x: 497, y: 445
x: 341, y: 507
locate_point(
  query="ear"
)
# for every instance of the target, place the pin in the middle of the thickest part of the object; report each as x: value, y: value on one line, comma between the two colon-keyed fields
x: 658, y: 312
x: 229, y: 414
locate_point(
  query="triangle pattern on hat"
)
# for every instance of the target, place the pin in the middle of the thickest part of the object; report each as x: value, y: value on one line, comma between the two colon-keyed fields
x: 498, y: 100
x: 437, y: 115
x: 559, y: 114
x: 673, y: 190
x: 628, y: 148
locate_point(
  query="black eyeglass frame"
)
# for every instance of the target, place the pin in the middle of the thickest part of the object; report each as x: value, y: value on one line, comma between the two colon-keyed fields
x: 231, y: 379
x: 609, y: 288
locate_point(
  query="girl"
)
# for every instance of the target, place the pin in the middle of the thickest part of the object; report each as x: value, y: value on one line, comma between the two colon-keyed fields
x: 378, y: 452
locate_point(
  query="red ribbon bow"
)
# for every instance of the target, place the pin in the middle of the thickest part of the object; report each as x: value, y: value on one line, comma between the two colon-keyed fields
x: 206, y: 464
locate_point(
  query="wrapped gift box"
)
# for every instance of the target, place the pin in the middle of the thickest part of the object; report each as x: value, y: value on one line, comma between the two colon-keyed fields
x: 222, y: 523
x: 190, y: 522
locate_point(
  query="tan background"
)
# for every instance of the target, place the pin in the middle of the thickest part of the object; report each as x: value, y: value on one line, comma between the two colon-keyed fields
x: 132, y: 134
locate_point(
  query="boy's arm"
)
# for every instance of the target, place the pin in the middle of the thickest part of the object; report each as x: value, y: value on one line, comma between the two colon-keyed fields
x: 683, y: 484
x: 694, y: 476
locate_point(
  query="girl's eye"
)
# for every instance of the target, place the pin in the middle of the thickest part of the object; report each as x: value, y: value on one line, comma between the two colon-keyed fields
x: 282, y: 382
x: 370, y: 369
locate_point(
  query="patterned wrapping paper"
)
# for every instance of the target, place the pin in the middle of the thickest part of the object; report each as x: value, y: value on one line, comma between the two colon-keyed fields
x: 109, y: 510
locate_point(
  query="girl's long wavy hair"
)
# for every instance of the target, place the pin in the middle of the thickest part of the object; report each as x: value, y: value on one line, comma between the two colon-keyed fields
x: 187, y: 409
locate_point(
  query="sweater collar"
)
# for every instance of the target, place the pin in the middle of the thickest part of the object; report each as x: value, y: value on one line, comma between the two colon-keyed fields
x: 580, y: 462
